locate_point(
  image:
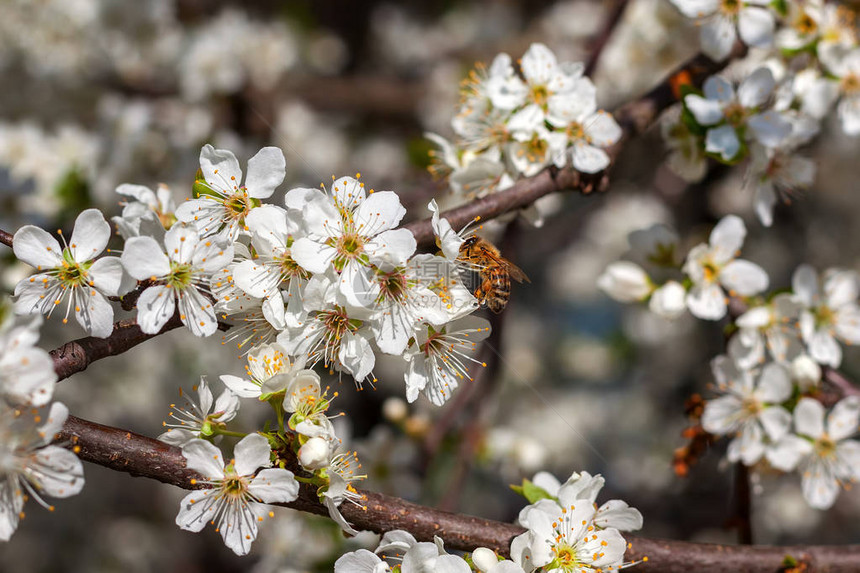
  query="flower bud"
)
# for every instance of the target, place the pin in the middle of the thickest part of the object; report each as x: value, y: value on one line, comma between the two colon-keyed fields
x: 394, y: 409
x: 625, y: 282
x: 483, y: 559
x: 669, y: 301
x: 314, y: 454
x: 805, y: 371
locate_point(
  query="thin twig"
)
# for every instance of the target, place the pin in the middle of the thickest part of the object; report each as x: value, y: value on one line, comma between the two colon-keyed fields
x: 743, y: 505
x: 602, y: 40
x: 5, y: 238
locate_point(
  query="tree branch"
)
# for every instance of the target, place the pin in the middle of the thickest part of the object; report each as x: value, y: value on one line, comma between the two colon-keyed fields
x: 76, y: 355
x: 140, y: 456
x: 5, y: 238
x: 600, y: 41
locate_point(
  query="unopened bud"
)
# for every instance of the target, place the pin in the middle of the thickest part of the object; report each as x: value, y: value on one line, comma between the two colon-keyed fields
x: 395, y: 409
x: 805, y: 371
x: 625, y: 282
x: 668, y: 301
x: 484, y: 558
x: 314, y: 454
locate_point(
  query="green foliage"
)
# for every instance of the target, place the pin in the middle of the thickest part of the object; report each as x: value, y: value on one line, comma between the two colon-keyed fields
x: 531, y: 492
x: 73, y: 194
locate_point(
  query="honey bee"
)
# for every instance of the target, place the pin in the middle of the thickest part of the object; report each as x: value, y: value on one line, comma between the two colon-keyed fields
x: 495, y: 272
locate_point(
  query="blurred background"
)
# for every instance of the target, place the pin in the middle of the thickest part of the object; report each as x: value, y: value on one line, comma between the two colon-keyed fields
x: 98, y: 93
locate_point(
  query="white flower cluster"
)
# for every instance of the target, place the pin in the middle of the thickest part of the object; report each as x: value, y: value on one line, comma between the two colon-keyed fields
x: 567, y: 533
x: 792, y: 25
x: 777, y: 108
x: 234, y: 495
x: 329, y: 276
x: 30, y: 465
x: 758, y: 408
x: 711, y: 270
x: 514, y: 124
x: 777, y: 352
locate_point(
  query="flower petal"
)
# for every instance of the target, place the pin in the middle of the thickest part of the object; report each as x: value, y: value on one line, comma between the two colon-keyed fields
x: 843, y: 420
x: 820, y: 487
x: 37, y: 247
x: 723, y: 140
x: 809, y: 418
x: 744, y: 278
x: 93, y: 312
x: 274, y: 485
x: 706, y: 111
x: 266, y: 170
x: 756, y: 26
x: 197, y: 313
x: 220, y: 169
x: 204, y: 458
x: 252, y: 452
x: 154, y: 308
x: 90, y: 236
x: 717, y: 36
x: 707, y: 302
x: 589, y: 159
x: 727, y: 237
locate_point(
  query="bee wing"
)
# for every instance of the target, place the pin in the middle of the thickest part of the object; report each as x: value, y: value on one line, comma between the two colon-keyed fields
x: 516, y: 272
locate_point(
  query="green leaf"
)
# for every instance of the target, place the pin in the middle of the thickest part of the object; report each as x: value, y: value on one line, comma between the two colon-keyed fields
x: 531, y: 492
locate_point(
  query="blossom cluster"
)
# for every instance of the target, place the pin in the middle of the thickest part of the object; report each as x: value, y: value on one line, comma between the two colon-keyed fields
x: 780, y: 344
x: 31, y: 466
x: 710, y: 272
x: 329, y: 275
x: 514, y: 123
x: 328, y: 279
x: 566, y: 532
x: 812, y: 62
x: 235, y: 494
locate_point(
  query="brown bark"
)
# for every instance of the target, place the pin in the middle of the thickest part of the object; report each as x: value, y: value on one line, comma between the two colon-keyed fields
x: 138, y: 455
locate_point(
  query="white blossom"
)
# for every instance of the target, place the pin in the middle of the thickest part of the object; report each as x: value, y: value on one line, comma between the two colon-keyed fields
x: 225, y: 202
x: 273, y: 275
x: 26, y: 371
x: 348, y: 230
x: 722, y: 21
x: 565, y: 540
x: 147, y: 212
x: 199, y: 419
x: 714, y: 265
x: 583, y: 486
x: 625, y: 282
x: 184, y: 271
x: 749, y: 409
x: 726, y: 112
x: 29, y: 467
x: 669, y: 300
x: 820, y: 450
x: 830, y: 311
x: 333, y: 334
x: 70, y: 271
x: 269, y: 370
x: 438, y: 359
x: 235, y: 498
